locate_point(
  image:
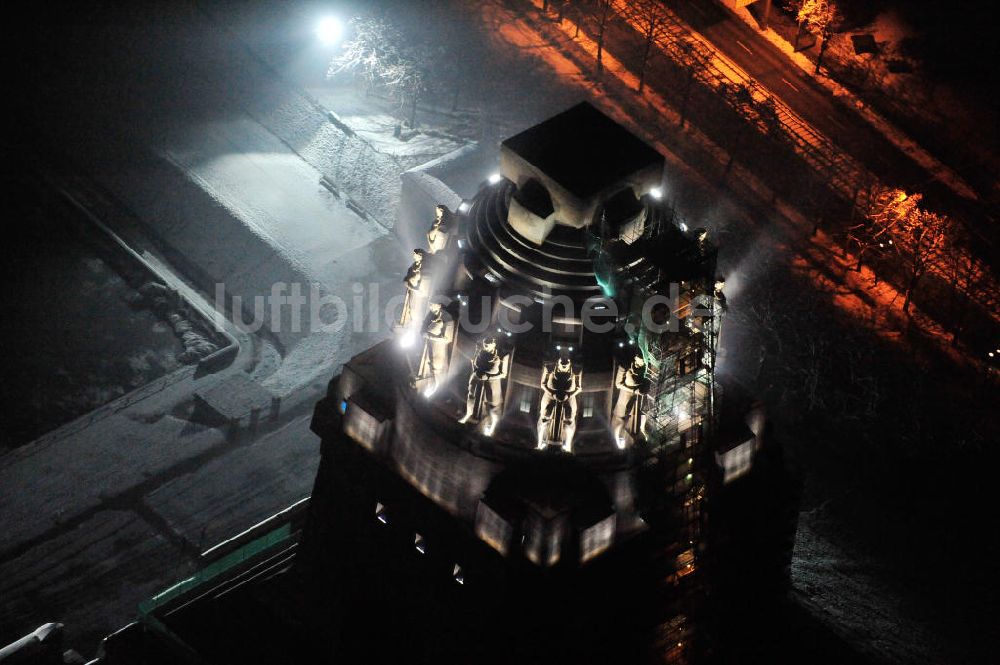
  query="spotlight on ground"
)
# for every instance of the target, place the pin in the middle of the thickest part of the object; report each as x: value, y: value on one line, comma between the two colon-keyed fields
x: 329, y: 30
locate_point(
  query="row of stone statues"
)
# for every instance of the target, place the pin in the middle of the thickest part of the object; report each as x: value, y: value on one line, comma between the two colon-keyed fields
x: 560, y: 381
x: 558, y: 411
x: 414, y: 281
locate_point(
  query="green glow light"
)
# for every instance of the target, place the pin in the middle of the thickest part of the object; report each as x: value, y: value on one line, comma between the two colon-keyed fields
x: 606, y: 287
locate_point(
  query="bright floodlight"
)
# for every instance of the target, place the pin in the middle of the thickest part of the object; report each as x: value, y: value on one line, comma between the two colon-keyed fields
x: 495, y: 178
x: 329, y: 30
x: 656, y: 193
x: 408, y: 339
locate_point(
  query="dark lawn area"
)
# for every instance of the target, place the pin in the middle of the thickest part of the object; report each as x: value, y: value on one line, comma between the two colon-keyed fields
x: 74, y: 334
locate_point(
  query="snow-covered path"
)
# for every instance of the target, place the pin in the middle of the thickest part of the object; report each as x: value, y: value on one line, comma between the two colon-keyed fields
x: 274, y: 192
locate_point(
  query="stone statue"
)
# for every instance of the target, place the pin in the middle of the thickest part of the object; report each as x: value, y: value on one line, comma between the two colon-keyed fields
x: 557, y: 419
x: 720, y: 284
x: 413, y: 281
x: 485, y: 396
x: 440, y: 231
x: 437, y: 332
x: 629, y: 416
x: 701, y: 235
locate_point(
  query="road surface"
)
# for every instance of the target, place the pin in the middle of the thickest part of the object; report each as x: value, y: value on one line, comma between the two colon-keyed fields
x: 845, y: 127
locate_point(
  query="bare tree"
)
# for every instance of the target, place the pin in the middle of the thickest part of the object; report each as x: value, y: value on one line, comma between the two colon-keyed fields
x: 814, y: 15
x: 884, y: 209
x: 916, y: 237
x: 383, y: 57
x: 767, y: 113
x: 740, y: 97
x: 767, y: 14
x: 795, y: 7
x: 690, y: 65
x: 408, y: 80
x: 964, y: 275
x: 651, y: 17
x: 602, y: 16
x: 817, y: 15
x: 823, y: 19
x: 727, y: 91
x: 561, y: 10
x: 371, y: 52
x: 919, y: 239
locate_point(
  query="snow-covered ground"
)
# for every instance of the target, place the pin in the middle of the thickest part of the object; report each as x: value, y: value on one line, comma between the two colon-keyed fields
x: 378, y: 130
x: 276, y: 195
x: 274, y: 192
x: 847, y: 589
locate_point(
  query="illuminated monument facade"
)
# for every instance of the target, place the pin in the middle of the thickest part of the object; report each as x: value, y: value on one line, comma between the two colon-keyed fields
x: 538, y: 443
x: 535, y: 468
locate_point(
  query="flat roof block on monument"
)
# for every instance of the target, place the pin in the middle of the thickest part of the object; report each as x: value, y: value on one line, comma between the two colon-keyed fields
x: 583, y: 150
x: 580, y: 157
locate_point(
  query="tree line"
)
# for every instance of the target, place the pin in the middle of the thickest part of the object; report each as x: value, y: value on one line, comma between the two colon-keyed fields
x: 887, y: 228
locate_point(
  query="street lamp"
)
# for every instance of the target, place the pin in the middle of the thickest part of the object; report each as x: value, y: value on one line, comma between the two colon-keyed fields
x: 329, y: 30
